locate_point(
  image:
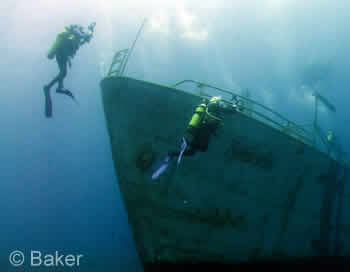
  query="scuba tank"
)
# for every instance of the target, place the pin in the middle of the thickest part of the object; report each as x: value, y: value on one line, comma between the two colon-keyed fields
x: 198, y: 116
x: 57, y: 44
x: 64, y: 40
x: 67, y: 41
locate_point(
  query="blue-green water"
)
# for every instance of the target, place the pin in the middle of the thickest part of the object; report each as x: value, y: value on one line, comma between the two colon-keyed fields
x: 58, y: 185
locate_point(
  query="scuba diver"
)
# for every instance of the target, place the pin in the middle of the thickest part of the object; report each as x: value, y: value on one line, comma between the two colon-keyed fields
x: 204, y: 123
x: 64, y: 49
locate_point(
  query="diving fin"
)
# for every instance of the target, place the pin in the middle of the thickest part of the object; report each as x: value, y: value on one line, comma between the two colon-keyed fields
x: 68, y: 93
x: 48, y: 102
x: 164, y: 165
x: 183, y: 148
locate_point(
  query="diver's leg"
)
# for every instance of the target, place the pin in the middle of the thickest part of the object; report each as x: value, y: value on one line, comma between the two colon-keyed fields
x: 63, y: 72
x: 66, y: 92
x: 173, y: 154
x: 190, y: 151
x: 53, y: 82
x: 185, y: 151
x: 62, y: 64
x: 187, y: 147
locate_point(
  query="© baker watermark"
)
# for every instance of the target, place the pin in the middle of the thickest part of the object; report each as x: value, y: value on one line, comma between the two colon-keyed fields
x: 37, y: 258
x: 16, y: 258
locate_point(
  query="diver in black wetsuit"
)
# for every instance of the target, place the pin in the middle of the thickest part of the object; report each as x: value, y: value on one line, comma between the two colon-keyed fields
x: 64, y: 49
x: 204, y: 123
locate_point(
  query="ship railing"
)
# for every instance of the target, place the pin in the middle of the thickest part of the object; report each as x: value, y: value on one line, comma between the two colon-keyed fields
x: 260, y: 112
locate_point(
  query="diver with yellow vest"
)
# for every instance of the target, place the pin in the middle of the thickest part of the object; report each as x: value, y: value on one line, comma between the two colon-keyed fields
x: 64, y: 49
x: 205, y: 121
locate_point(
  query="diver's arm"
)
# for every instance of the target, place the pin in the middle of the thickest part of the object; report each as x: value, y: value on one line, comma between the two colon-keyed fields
x: 229, y: 108
x: 85, y: 39
x: 88, y: 35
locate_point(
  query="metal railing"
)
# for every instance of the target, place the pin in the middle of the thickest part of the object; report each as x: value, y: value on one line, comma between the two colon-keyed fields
x: 260, y: 112
x: 313, y: 136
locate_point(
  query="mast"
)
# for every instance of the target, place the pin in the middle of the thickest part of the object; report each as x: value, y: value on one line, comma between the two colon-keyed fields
x: 132, y: 47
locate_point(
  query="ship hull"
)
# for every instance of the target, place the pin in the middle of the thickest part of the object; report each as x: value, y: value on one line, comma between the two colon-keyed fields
x: 256, y: 194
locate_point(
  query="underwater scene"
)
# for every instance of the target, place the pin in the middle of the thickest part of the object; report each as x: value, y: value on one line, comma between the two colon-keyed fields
x: 166, y: 135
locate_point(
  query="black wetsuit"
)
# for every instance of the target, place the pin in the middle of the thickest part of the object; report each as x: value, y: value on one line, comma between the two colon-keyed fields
x: 64, y: 52
x: 66, y: 45
x: 198, y: 138
x: 62, y: 61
